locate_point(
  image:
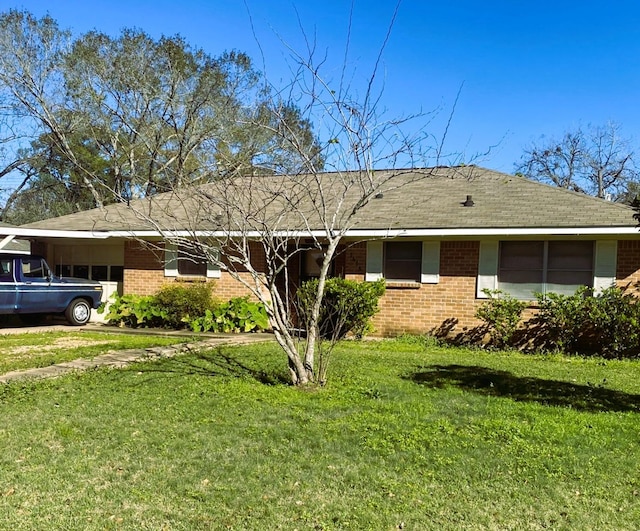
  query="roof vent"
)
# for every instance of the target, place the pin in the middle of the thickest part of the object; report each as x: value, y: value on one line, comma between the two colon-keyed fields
x: 379, y: 195
x: 469, y: 202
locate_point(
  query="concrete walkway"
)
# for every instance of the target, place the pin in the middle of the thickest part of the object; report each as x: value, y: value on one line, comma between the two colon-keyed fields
x: 122, y: 358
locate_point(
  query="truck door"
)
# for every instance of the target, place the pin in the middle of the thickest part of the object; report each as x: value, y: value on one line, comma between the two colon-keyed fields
x: 8, y: 292
x: 36, y: 293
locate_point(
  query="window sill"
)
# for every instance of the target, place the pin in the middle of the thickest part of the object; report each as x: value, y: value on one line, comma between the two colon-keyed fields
x: 397, y: 284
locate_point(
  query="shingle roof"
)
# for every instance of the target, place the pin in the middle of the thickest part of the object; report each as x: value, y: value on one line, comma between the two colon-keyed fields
x: 433, y: 202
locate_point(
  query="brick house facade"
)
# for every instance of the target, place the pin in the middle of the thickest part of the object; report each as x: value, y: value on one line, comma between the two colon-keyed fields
x: 407, y: 307
x: 438, y: 243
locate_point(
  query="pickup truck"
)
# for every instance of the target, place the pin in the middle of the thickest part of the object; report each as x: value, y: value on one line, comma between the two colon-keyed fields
x: 29, y: 289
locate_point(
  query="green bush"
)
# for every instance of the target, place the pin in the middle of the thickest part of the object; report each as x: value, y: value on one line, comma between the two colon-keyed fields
x: 135, y: 311
x: 501, y: 314
x: 188, y: 306
x: 613, y: 319
x: 238, y: 315
x: 184, y: 302
x: 562, y: 319
x: 607, y: 324
x: 347, y: 306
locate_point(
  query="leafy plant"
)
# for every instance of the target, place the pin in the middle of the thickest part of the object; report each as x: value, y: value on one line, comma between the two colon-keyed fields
x: 562, y: 318
x: 188, y: 306
x: 238, y: 315
x: 501, y: 314
x: 613, y: 319
x: 605, y: 324
x: 135, y: 311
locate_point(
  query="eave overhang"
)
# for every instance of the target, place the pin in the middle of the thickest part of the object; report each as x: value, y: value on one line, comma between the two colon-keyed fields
x: 353, y: 233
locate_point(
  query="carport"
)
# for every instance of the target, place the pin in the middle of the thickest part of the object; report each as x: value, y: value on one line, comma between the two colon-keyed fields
x: 83, y: 254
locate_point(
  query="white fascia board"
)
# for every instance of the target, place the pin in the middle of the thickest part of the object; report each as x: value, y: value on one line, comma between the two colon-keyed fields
x: 354, y: 233
x: 52, y: 233
x: 409, y: 233
x: 479, y: 232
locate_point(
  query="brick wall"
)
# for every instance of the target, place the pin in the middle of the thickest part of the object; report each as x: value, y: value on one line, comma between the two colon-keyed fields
x: 405, y: 307
x: 420, y: 308
x: 628, y: 266
x: 143, y: 268
x: 144, y: 272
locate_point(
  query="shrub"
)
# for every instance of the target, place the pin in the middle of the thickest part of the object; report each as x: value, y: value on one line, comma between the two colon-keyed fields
x: 183, y: 302
x: 613, y: 319
x: 606, y: 324
x: 501, y: 314
x: 562, y: 319
x: 238, y: 315
x: 347, y: 306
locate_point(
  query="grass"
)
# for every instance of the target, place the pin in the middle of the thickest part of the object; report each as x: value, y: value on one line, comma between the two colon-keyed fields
x: 405, y: 435
x: 31, y: 350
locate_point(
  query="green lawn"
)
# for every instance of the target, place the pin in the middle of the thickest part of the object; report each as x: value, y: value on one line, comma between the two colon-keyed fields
x: 31, y: 350
x: 404, y: 436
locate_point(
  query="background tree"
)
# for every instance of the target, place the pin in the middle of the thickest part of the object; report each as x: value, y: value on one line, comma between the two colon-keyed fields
x: 596, y: 161
x: 126, y: 117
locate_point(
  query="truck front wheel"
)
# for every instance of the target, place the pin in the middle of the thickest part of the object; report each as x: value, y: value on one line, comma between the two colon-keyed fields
x: 78, y: 312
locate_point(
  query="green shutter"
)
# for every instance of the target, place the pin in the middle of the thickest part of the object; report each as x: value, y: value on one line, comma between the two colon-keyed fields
x: 604, y: 274
x: 374, y: 261
x: 487, y: 268
x: 430, y: 263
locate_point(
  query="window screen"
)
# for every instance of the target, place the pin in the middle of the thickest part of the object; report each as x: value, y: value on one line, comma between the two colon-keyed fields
x: 525, y: 268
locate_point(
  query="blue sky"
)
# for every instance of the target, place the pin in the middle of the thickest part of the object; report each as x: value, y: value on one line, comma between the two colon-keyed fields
x: 526, y: 69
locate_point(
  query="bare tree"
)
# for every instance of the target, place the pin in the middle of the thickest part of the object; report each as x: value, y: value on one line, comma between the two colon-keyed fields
x: 596, y: 161
x: 253, y: 227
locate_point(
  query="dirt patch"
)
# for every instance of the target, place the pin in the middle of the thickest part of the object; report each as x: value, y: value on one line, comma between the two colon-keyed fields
x: 57, y: 344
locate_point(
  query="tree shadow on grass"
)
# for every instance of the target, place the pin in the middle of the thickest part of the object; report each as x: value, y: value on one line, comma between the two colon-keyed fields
x: 491, y: 382
x: 217, y: 363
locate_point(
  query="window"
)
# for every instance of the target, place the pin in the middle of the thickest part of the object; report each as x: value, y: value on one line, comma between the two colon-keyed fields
x: 81, y: 271
x: 403, y: 261
x: 64, y: 270
x: 190, y: 265
x: 183, y: 262
x: 100, y: 272
x: 6, y: 270
x: 400, y: 261
x: 34, y: 268
x: 527, y: 267
x: 116, y: 273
